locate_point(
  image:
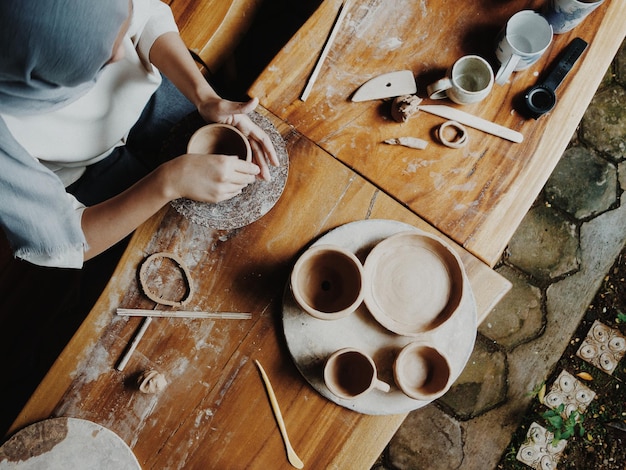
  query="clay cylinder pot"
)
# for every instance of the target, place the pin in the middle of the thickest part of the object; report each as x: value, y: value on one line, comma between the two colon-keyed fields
x: 220, y: 139
x: 327, y: 282
x: 421, y: 372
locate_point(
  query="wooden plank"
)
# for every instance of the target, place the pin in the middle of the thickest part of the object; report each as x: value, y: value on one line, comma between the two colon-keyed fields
x: 476, y: 195
x: 211, y: 28
x: 214, y: 410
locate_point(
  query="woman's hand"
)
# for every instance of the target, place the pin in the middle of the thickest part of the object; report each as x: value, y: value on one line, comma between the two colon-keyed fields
x: 215, y: 109
x: 208, y: 178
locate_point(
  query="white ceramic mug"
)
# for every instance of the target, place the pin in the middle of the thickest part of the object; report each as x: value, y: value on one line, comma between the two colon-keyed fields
x: 468, y: 81
x: 565, y: 15
x: 521, y: 43
x: 350, y: 373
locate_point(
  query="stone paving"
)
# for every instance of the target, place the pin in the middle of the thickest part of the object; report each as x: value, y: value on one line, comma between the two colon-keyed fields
x: 556, y: 261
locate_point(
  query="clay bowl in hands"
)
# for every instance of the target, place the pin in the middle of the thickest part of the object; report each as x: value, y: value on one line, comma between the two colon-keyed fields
x: 414, y: 283
x: 421, y: 372
x: 327, y: 282
x: 220, y: 139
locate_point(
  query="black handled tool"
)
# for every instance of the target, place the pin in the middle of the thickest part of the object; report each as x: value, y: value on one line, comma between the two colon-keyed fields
x: 542, y: 97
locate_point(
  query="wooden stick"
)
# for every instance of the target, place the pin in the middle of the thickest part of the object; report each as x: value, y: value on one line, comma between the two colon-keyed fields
x: 133, y: 345
x: 343, y: 10
x: 137, y: 312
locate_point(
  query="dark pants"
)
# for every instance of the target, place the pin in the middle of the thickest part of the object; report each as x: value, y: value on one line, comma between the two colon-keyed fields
x: 41, y: 308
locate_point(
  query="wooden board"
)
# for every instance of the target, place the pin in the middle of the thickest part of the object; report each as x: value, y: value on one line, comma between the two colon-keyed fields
x: 211, y: 28
x: 215, y: 411
x: 476, y: 195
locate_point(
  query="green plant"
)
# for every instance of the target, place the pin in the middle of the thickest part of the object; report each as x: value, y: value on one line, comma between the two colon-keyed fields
x: 621, y: 317
x: 563, y: 428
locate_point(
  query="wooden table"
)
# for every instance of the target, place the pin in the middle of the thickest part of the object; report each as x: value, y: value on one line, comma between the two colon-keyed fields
x: 476, y: 195
x: 214, y: 412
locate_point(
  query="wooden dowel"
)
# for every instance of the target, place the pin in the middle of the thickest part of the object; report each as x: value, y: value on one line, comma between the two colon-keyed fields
x: 133, y: 345
x: 343, y: 10
x: 137, y: 312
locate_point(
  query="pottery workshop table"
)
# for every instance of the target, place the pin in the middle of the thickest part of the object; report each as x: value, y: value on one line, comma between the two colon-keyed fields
x: 476, y: 195
x: 214, y: 412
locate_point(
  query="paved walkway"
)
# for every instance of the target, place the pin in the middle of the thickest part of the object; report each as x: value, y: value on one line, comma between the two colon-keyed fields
x: 556, y: 261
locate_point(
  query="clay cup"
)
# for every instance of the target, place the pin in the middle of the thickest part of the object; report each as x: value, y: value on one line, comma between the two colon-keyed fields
x: 327, y: 282
x: 469, y: 80
x: 350, y: 373
x: 220, y: 139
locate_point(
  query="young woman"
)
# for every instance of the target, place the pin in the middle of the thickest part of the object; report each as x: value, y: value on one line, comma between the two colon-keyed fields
x: 88, y: 91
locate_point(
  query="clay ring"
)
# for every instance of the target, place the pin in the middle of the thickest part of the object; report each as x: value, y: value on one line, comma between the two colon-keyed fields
x: 460, y: 139
x: 154, y: 297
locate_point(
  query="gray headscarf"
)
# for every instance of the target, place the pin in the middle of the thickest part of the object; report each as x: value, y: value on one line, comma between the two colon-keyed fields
x: 52, y: 53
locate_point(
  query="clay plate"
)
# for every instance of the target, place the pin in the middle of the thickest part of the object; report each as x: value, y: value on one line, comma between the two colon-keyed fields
x: 414, y: 283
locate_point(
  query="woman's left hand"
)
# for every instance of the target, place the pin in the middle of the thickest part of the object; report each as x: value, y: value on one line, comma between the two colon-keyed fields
x: 216, y: 109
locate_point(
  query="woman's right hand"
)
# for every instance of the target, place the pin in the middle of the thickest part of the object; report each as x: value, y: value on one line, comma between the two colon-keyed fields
x: 208, y: 178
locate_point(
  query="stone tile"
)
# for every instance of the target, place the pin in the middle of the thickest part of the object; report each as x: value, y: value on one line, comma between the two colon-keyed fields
x: 545, y: 245
x: 604, y: 124
x: 518, y: 317
x: 482, y: 384
x: 603, y: 347
x: 569, y: 392
x: 428, y: 439
x: 582, y: 184
x: 538, y: 451
x: 621, y: 169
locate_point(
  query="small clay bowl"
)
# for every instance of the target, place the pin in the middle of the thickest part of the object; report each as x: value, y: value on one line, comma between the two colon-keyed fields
x: 421, y: 371
x: 327, y: 282
x: 220, y: 139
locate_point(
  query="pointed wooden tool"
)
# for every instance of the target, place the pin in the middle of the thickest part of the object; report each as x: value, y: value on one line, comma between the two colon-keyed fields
x: 387, y: 85
x: 291, y: 454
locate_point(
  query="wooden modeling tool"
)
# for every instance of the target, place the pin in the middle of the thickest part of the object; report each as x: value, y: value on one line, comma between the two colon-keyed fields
x: 343, y: 10
x: 291, y: 454
x: 137, y: 312
x: 473, y: 121
x: 133, y: 345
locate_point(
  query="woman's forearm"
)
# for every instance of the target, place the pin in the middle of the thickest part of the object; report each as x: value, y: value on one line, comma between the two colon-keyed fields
x: 108, y: 222
x: 170, y: 55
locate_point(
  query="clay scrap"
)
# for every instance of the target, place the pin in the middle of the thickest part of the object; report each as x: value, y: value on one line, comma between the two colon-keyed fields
x: 151, y: 381
x: 410, y: 142
x: 405, y: 106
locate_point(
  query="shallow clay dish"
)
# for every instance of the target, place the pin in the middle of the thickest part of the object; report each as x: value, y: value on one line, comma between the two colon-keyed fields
x: 327, y: 282
x: 414, y: 283
x: 220, y: 139
x: 421, y: 371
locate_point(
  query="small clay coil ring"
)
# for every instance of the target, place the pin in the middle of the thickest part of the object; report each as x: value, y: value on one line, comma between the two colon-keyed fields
x: 154, y: 297
x: 460, y: 139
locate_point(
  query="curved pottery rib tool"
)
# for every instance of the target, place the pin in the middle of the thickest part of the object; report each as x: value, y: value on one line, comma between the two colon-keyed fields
x: 386, y: 85
x: 291, y: 454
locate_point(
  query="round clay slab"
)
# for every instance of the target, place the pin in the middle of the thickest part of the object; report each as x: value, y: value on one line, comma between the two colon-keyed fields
x: 256, y: 200
x: 311, y: 341
x: 414, y: 283
x: 66, y: 443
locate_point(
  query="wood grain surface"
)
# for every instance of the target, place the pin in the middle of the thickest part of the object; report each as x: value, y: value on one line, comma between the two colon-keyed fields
x: 214, y: 412
x: 476, y: 195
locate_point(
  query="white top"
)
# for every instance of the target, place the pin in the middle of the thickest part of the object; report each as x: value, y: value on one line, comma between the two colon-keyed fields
x: 87, y: 130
